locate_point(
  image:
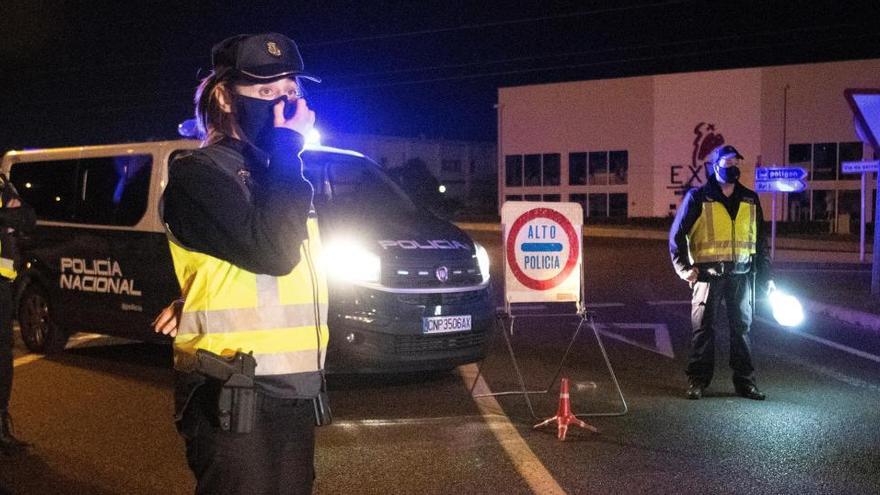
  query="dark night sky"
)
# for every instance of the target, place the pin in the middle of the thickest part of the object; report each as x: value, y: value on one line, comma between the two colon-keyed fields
x: 97, y: 72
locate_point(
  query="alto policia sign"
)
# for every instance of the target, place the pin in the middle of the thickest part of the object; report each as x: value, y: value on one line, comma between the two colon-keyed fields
x: 542, y: 249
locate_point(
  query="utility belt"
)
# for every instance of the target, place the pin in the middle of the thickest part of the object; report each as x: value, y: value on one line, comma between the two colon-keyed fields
x: 228, y: 395
x: 717, y: 269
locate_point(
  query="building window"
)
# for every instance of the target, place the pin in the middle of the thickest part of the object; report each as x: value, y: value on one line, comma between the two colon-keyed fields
x: 598, y: 205
x: 532, y: 170
x: 513, y: 170
x: 825, y: 161
x: 617, y: 205
x: 849, y: 152
x: 513, y: 197
x: 552, y: 198
x: 580, y: 199
x: 618, y: 165
x: 532, y: 197
x: 551, y: 169
x: 598, y: 168
x: 450, y: 166
x: 577, y: 169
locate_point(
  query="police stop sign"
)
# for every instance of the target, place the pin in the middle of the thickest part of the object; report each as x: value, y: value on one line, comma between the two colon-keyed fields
x: 542, y: 250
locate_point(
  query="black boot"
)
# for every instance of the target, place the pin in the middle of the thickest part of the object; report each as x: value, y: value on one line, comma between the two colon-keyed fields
x: 9, y: 445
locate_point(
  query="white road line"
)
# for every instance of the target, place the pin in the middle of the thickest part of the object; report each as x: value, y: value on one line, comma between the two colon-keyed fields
x: 524, y: 460
x: 604, y: 305
x: 662, y: 341
x: 820, y: 340
x: 27, y: 358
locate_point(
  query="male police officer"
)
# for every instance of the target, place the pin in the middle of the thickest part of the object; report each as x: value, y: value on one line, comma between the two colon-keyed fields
x: 718, y: 245
x: 13, y: 216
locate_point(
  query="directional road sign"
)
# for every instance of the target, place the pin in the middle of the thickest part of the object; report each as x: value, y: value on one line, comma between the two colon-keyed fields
x: 780, y: 179
x: 780, y: 185
x: 860, y: 167
x: 785, y: 173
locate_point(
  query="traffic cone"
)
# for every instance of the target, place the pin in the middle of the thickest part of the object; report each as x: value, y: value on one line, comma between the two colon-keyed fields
x: 564, y: 416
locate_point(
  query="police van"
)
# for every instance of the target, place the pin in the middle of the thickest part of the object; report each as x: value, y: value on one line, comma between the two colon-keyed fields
x: 408, y: 290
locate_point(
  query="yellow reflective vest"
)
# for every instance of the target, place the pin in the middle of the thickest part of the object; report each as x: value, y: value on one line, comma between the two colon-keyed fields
x: 717, y: 237
x: 282, y: 320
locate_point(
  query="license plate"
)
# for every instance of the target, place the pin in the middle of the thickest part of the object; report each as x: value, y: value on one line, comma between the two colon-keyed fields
x: 443, y: 324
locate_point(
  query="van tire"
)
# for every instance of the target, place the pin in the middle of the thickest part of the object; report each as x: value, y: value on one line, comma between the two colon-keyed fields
x: 39, y: 331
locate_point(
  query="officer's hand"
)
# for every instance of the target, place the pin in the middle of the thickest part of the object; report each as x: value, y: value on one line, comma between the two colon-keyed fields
x: 302, y: 121
x: 771, y: 286
x: 169, y: 319
x: 13, y: 203
x: 691, y: 275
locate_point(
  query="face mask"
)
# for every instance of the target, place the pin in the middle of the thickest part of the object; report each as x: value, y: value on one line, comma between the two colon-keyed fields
x: 256, y: 117
x: 728, y: 175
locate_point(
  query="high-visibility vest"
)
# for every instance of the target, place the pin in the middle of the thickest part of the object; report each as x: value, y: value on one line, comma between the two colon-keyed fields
x: 7, y: 264
x: 282, y: 320
x: 717, y: 237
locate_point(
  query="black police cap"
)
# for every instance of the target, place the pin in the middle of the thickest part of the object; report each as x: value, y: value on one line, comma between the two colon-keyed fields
x: 261, y: 57
x: 724, y: 151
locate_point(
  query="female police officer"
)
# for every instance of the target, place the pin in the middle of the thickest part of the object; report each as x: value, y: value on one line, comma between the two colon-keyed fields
x: 245, y: 253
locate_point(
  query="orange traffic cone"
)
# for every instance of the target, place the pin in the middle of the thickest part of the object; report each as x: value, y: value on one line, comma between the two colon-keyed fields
x: 564, y: 417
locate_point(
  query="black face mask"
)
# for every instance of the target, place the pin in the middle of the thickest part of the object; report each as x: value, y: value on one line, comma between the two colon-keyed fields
x: 256, y: 117
x: 728, y: 175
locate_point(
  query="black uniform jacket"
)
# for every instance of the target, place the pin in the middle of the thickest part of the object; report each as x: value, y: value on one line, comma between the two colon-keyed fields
x: 258, y: 227
x: 691, y: 208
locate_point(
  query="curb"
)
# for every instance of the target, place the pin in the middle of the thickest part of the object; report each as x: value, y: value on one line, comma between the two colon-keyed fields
x: 869, y: 321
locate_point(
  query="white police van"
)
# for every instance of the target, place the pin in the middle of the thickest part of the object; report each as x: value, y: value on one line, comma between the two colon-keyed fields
x: 408, y: 290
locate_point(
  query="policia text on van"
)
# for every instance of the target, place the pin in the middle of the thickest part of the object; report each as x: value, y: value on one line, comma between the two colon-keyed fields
x: 408, y: 291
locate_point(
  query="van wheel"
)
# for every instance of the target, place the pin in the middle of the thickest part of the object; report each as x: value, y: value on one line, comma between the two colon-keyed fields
x: 38, y: 329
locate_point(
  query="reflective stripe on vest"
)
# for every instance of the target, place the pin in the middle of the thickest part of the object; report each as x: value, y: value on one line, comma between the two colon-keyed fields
x: 7, y: 266
x: 227, y: 308
x: 716, y: 237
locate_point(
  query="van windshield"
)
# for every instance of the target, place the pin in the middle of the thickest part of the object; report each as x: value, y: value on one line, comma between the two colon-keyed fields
x: 350, y: 185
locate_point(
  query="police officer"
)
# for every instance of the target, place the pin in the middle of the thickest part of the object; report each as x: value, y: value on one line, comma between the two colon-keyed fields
x: 718, y: 245
x: 245, y: 250
x: 14, y: 216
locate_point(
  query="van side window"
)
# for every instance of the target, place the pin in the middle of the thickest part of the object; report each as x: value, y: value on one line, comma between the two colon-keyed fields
x: 50, y: 187
x: 99, y: 191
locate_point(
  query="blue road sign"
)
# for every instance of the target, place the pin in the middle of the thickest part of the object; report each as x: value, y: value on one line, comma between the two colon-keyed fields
x: 780, y: 185
x: 785, y: 173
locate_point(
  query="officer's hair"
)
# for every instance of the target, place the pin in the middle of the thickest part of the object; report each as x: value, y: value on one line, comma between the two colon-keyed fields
x: 212, y: 123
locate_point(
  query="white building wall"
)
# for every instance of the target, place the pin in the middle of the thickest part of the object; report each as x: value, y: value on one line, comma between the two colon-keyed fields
x: 668, y: 123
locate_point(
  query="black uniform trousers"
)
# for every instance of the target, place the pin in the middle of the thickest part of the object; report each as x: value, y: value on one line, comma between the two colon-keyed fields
x: 277, y: 457
x: 735, y: 291
x: 6, y: 342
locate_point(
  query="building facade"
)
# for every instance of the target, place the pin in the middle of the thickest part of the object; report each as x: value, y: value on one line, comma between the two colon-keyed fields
x: 464, y: 168
x: 631, y: 147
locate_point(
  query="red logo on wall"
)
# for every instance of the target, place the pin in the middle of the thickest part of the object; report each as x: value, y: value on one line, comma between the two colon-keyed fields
x: 705, y: 141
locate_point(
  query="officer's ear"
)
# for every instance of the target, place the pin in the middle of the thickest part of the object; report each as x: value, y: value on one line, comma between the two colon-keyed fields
x: 223, y: 97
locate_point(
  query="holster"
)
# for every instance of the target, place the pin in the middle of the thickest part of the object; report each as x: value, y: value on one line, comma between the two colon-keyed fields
x: 237, y: 405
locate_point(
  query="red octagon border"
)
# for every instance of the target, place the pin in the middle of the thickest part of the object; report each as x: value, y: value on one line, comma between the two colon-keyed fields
x: 573, y: 247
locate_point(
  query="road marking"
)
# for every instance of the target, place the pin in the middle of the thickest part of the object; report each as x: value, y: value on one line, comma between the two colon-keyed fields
x: 661, y: 336
x: 820, y: 340
x: 604, y: 305
x: 524, y: 460
x: 27, y: 358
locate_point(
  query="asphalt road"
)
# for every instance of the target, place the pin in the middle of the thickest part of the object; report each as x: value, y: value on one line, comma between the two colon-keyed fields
x: 100, y: 414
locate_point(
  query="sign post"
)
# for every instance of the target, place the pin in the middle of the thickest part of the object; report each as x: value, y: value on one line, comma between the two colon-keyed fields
x: 865, y: 105
x: 778, y: 179
x: 865, y: 168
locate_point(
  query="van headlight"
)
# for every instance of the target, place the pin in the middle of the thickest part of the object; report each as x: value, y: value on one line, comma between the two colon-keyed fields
x: 482, y: 261
x: 349, y: 261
